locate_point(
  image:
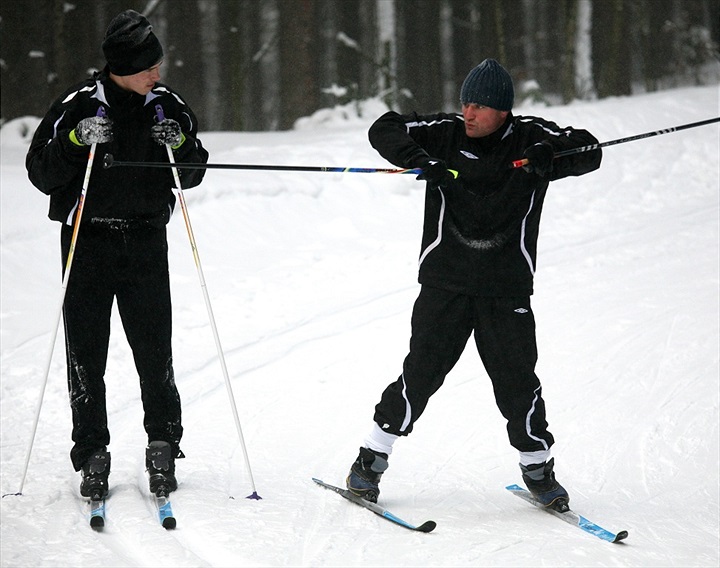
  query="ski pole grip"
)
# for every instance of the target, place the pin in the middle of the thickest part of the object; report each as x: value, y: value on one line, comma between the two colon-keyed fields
x: 159, y: 113
x: 100, y: 111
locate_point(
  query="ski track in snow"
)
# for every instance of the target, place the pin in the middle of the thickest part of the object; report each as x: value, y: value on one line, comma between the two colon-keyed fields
x: 312, y: 278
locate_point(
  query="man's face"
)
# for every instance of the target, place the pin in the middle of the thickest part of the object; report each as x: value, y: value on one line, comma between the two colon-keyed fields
x: 481, y: 120
x: 140, y: 83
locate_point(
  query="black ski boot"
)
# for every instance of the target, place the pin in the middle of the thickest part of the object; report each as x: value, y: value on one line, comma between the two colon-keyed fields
x: 95, y: 472
x: 540, y: 481
x: 365, y: 474
x: 160, y: 465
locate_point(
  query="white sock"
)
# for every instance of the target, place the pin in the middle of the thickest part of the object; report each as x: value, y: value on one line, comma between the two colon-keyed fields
x: 379, y: 440
x: 530, y: 458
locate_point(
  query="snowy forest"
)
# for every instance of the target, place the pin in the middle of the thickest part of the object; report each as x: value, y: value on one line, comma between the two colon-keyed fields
x: 262, y: 64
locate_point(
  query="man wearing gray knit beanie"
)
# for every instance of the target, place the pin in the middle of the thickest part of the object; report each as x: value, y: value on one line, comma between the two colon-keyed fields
x: 490, y: 85
x: 476, y: 267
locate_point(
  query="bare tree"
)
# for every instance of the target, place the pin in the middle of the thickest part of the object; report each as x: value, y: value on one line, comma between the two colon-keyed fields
x: 387, y: 52
x: 567, y: 77
x: 612, y: 63
x: 530, y: 45
x: 262, y: 64
x: 499, y: 30
x: 584, y: 85
x: 368, y: 48
x: 298, y: 66
x: 447, y: 69
x: 211, y: 57
x: 270, y: 69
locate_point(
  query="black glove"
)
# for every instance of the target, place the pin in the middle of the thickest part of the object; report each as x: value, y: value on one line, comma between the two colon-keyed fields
x: 540, y: 157
x: 434, y: 171
x: 168, y: 132
x: 92, y: 130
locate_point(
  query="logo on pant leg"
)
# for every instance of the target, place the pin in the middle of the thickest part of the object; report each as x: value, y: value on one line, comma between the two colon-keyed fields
x: 521, y: 311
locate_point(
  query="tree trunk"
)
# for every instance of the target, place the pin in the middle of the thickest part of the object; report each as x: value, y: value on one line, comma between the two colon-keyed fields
x: 298, y: 67
x: 269, y: 68
x: 209, y: 24
x: 613, y: 63
x: 499, y: 29
x: 450, y: 88
x: 387, y: 52
x: 584, y: 85
x: 368, y: 47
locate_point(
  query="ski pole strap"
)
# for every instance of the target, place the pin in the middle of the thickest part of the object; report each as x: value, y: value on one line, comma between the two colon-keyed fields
x: 525, y: 161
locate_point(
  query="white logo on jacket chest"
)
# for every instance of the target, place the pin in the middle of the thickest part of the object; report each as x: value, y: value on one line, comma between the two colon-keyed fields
x: 469, y: 155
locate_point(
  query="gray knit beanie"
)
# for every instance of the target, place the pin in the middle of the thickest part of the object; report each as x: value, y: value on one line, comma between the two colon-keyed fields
x: 130, y: 46
x: 490, y: 85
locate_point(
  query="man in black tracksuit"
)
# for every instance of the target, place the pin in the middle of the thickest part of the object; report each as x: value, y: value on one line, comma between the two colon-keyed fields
x: 121, y: 246
x: 477, y: 263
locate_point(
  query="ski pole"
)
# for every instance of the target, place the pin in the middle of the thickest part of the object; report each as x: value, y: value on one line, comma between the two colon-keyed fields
x: 66, y: 278
x: 110, y: 162
x: 525, y: 161
x: 196, y: 256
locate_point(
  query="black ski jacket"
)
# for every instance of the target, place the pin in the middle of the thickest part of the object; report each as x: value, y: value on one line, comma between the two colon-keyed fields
x: 57, y: 167
x: 480, y: 230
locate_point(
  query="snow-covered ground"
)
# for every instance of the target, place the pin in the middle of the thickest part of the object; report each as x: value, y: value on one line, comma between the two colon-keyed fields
x: 312, y: 277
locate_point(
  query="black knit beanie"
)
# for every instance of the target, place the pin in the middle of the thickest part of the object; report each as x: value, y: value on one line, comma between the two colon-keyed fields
x: 490, y: 85
x: 130, y: 46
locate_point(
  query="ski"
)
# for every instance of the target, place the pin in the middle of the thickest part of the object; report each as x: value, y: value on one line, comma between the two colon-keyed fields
x: 162, y: 504
x: 426, y: 527
x: 97, y: 513
x: 569, y: 516
x: 164, y: 509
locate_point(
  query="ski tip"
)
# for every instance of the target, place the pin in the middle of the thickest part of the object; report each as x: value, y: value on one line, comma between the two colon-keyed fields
x: 169, y: 523
x: 426, y: 527
x: 321, y: 483
x: 622, y: 535
x: 97, y: 523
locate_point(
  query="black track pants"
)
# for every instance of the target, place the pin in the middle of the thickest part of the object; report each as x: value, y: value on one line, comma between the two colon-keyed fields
x: 504, y: 329
x: 128, y: 265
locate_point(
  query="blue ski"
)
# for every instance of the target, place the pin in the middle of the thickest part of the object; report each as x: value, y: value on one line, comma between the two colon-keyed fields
x: 97, y: 514
x: 426, y: 527
x: 569, y: 516
x: 165, y: 512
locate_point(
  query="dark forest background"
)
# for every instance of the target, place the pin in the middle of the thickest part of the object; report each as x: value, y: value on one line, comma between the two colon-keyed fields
x: 262, y: 64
